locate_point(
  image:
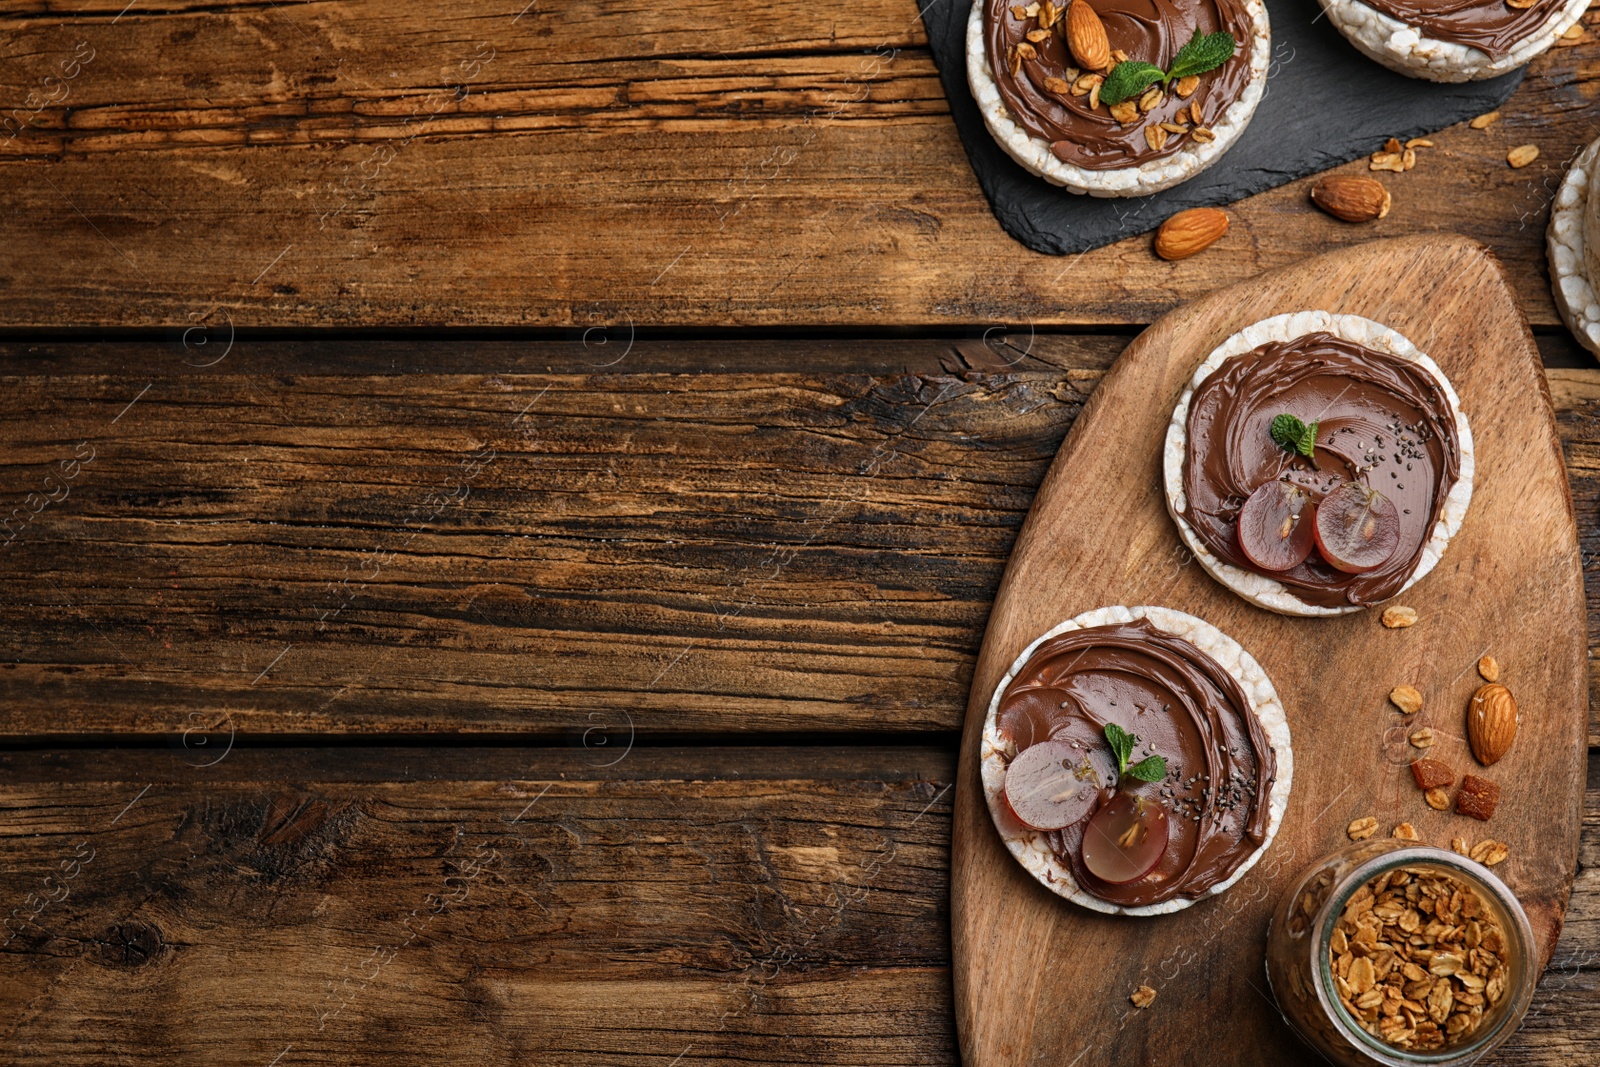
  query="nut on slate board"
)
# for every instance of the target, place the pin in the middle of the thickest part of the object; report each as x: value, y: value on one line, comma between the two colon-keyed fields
x: 1190, y: 231
x: 1351, y: 198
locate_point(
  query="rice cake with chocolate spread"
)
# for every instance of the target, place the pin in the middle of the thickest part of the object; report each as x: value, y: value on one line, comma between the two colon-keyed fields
x: 1373, y: 391
x: 1573, y: 247
x: 1453, y: 40
x: 1218, y: 689
x: 1030, y: 107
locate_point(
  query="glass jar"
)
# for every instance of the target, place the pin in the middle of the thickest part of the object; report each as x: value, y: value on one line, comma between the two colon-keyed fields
x: 1301, y: 934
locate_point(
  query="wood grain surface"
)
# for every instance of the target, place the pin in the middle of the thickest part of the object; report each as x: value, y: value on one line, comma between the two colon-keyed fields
x: 498, y: 906
x: 733, y: 905
x: 689, y: 163
x: 777, y: 548
x: 1510, y: 584
x: 702, y: 941
x: 502, y: 552
x: 820, y: 548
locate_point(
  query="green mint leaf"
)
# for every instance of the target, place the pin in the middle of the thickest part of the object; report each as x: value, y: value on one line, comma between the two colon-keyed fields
x: 1129, y: 79
x: 1286, y: 431
x: 1308, y: 441
x: 1289, y: 432
x: 1121, y: 742
x: 1203, y: 52
x: 1149, y: 769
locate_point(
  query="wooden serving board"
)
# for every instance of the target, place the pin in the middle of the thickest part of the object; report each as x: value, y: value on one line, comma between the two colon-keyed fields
x: 1039, y: 981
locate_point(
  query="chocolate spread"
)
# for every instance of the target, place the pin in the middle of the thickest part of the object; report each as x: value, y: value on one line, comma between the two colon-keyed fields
x: 1381, y: 421
x: 1490, y: 26
x: 1151, y: 31
x: 1182, y: 706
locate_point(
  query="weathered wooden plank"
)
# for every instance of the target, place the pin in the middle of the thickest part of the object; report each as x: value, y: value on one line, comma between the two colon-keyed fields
x: 594, y: 351
x: 725, y: 905
x: 541, y: 910
x: 686, y: 164
x: 503, y: 553
x: 295, y: 553
x: 1576, y: 393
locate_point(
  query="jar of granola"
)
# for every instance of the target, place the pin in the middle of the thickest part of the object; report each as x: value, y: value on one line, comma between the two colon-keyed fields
x: 1391, y: 953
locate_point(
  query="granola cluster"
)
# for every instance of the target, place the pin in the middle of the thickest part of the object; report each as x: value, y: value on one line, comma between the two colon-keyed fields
x: 1418, y: 959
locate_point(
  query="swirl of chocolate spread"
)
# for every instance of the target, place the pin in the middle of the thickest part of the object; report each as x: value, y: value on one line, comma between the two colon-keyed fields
x: 1381, y: 420
x: 1151, y: 31
x: 1491, y: 26
x: 1183, y: 706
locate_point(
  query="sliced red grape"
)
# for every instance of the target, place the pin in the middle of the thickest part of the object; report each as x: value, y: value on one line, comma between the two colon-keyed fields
x: 1125, y: 839
x: 1051, y: 785
x: 1358, y: 528
x: 1275, y: 526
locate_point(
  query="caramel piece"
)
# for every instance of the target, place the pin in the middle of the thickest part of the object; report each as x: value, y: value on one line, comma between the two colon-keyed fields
x: 1478, y: 797
x: 1432, y: 774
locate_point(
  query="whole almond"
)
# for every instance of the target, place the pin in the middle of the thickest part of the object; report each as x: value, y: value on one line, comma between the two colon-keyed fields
x: 1086, y: 37
x: 1491, y: 722
x: 1351, y: 198
x: 1190, y: 231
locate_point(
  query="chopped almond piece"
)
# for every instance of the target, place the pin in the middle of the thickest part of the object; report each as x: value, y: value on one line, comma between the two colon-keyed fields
x: 1522, y: 155
x: 1407, y: 698
x: 1399, y: 618
x: 1361, y: 829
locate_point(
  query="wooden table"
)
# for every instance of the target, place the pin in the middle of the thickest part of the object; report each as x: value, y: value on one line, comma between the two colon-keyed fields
x: 516, y: 496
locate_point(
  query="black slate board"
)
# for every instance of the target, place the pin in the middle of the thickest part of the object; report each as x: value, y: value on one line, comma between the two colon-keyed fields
x: 1325, y: 104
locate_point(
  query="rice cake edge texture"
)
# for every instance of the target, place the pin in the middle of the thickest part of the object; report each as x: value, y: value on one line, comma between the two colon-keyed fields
x: 1567, y: 244
x: 1033, y: 154
x: 1405, y: 50
x: 1028, y: 846
x: 1267, y: 592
